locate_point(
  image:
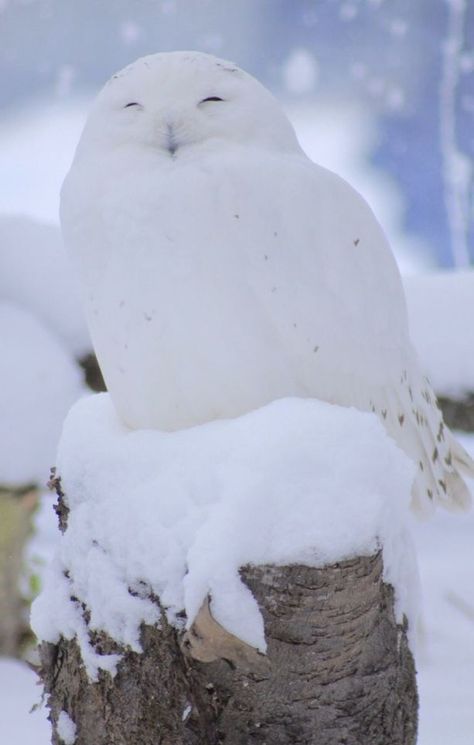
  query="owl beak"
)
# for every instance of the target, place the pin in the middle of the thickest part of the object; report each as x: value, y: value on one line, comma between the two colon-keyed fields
x: 171, y: 142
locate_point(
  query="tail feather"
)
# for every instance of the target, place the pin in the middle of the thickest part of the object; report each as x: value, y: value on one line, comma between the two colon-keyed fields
x: 462, y: 464
x: 462, y: 458
x: 412, y: 417
x: 460, y: 496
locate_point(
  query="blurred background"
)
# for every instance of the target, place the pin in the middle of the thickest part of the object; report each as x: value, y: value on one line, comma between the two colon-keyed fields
x: 385, y: 84
x: 382, y: 92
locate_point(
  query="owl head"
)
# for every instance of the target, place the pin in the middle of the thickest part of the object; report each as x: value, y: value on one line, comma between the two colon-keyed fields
x: 177, y: 103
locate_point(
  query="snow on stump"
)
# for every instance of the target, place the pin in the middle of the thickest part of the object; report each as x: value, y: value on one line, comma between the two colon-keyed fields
x: 245, y: 581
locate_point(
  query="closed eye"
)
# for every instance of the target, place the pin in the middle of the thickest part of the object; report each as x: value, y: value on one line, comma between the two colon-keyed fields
x: 211, y: 98
x: 132, y: 103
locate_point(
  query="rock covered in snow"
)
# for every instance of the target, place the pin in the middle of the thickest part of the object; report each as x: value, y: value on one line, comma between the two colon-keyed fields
x: 35, y: 273
x: 38, y: 383
x: 41, y: 331
x: 441, y: 313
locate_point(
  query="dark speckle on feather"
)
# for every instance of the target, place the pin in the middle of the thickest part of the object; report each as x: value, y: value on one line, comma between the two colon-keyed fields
x: 227, y: 68
x: 426, y: 396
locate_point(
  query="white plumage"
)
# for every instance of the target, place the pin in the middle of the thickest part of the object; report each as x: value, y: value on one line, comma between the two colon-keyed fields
x: 223, y: 269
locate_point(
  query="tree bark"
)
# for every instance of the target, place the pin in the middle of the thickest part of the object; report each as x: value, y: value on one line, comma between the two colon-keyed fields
x: 338, y: 669
x: 92, y: 373
x: 458, y: 413
x: 16, y: 508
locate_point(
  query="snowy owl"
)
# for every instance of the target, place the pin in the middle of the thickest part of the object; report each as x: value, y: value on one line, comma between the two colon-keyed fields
x: 222, y: 269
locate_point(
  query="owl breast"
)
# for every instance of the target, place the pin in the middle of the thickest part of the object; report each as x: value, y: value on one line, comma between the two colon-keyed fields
x: 221, y: 285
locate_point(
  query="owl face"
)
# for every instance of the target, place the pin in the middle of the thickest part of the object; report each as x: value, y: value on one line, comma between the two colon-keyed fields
x: 176, y: 102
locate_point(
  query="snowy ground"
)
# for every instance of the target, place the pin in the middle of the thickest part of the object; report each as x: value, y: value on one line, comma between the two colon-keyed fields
x: 445, y: 655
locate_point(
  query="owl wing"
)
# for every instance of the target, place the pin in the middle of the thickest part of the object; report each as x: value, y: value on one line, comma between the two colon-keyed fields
x: 405, y: 401
x: 410, y: 413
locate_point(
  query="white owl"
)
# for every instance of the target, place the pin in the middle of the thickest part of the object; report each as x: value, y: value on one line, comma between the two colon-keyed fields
x: 222, y: 269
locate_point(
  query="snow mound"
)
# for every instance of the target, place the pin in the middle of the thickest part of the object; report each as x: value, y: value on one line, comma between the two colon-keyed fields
x: 39, y: 382
x: 35, y: 273
x: 441, y: 309
x: 297, y: 481
x: 19, y: 692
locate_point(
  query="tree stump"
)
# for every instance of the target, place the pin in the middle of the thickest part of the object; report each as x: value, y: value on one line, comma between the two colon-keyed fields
x: 16, y: 509
x: 458, y: 413
x: 338, y: 670
x: 93, y: 377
